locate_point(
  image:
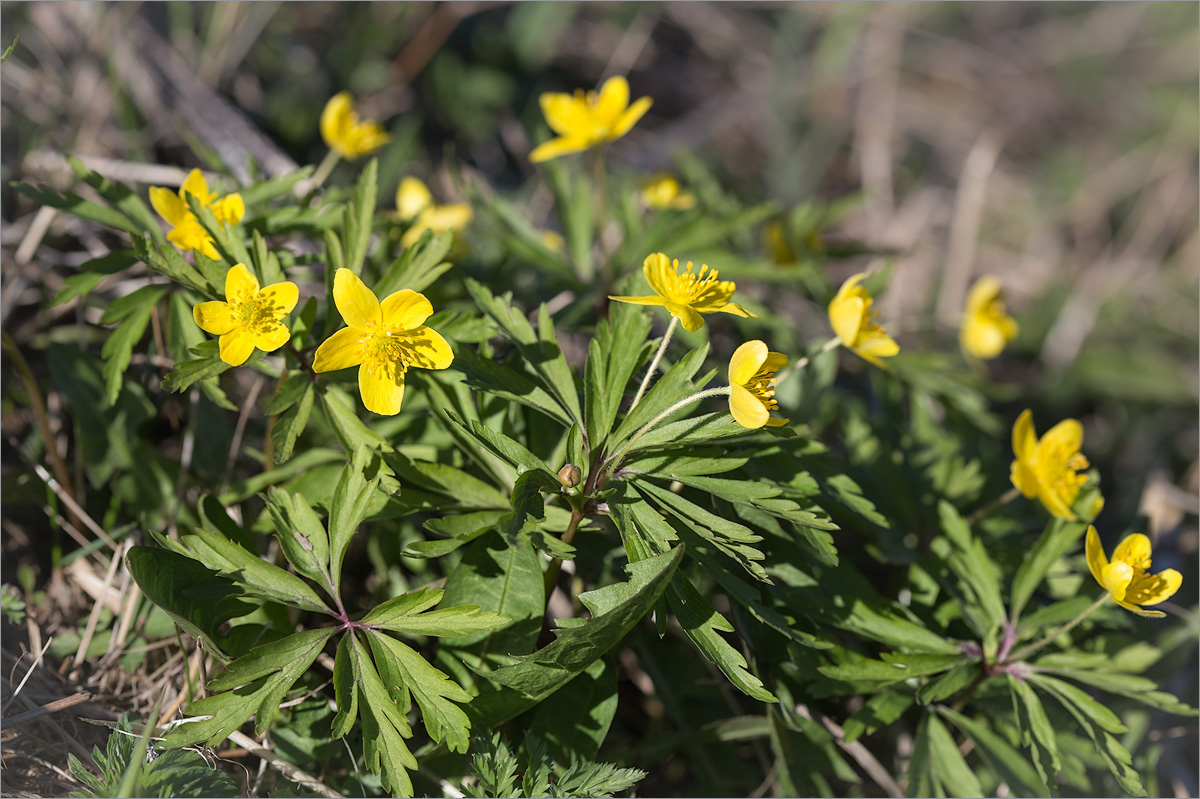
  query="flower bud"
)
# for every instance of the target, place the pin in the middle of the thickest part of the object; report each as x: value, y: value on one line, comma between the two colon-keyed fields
x: 569, y: 475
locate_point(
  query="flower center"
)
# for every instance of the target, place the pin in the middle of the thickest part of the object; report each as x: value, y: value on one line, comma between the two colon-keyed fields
x: 256, y: 313
x: 389, y: 352
x: 762, y: 386
x: 1057, y: 468
x: 695, y: 288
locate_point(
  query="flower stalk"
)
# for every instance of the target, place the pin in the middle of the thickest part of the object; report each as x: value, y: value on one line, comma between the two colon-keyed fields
x: 648, y: 426
x: 662, y: 347
x: 1031, y: 648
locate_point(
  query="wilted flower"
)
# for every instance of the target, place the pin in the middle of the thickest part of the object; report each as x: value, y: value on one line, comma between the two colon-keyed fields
x: 1046, y: 468
x: 986, y: 327
x: 852, y: 319
x: 688, y: 295
x: 415, y: 202
x: 1125, y: 578
x: 752, y: 385
x: 187, y: 233
x: 250, y: 317
x: 345, y: 134
x: 383, y: 339
x: 663, y: 192
x: 586, y: 120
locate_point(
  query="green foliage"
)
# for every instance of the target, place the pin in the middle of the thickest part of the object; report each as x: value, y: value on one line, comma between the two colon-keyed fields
x: 527, y: 772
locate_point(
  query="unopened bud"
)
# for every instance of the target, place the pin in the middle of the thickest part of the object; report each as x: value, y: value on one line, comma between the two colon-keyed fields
x: 570, y: 475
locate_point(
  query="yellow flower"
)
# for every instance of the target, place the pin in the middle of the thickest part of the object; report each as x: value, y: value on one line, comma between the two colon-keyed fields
x: 415, y: 202
x: 688, y: 295
x: 1125, y: 578
x: 851, y: 318
x: 345, y: 134
x: 583, y: 120
x: 250, y: 317
x: 663, y: 192
x: 776, y: 242
x: 752, y: 385
x: 187, y: 233
x: 383, y: 339
x: 986, y: 327
x: 1047, y: 468
x: 553, y: 240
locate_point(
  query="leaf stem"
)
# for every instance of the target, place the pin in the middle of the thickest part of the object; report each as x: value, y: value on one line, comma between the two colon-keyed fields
x: 330, y: 161
x: 1000, y: 501
x: 662, y: 347
x: 803, y: 362
x: 1029, y: 650
x: 555, y: 566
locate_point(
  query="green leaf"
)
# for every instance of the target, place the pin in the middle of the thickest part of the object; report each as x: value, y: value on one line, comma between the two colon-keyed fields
x: 504, y: 447
x: 435, y: 693
x: 91, y: 273
x: 224, y: 237
x: 277, y: 186
x: 301, y: 535
x: 949, y: 684
x: 73, y: 204
x: 466, y: 489
x: 254, y: 575
x: 1009, y: 764
x: 120, y: 197
x: 495, y: 378
x: 1066, y: 693
x: 977, y: 573
x: 505, y: 579
x: 358, y: 215
x: 118, y: 350
x: 1038, y: 723
x: 575, y: 719
x: 419, y: 265
x: 703, y: 625
x: 348, y: 508
x: 615, y: 610
x: 573, y: 201
x: 384, y: 723
x: 188, y: 373
x: 948, y: 763
x: 195, y: 597
x: 921, y: 781
x: 9, y: 50
x: 879, y: 711
x: 1058, y: 539
x: 897, y: 668
x: 255, y: 685
x: 406, y: 614
x: 291, y: 423
x: 167, y: 261
x: 351, y: 432
x: 613, y: 355
x: 667, y: 390
x: 886, y: 627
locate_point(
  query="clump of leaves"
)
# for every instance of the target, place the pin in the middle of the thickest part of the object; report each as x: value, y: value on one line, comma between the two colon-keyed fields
x: 497, y: 766
x: 11, y: 604
x: 129, y: 767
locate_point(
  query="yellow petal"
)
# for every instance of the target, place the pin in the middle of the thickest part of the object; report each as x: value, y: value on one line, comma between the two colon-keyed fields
x: 660, y: 273
x: 355, y: 302
x: 340, y: 351
x: 236, y: 346
x: 985, y: 290
x: 777, y: 422
x: 747, y: 409
x: 736, y: 310
x: 168, y: 205
x: 1023, y: 479
x: 412, y: 197
x: 746, y: 361
x: 272, y: 337
x: 381, y: 393
x: 640, y: 300
x: 846, y: 316
x: 214, y: 317
x: 334, y: 118
x: 1149, y: 614
x: 775, y: 361
x: 189, y: 235
x: 614, y: 97
x: 425, y: 348
x: 982, y: 337
x: 1133, y: 549
x: 1056, y: 503
x: 240, y: 284
x: 630, y: 118
x: 566, y: 115
x: 875, y: 344
x: 556, y: 147
x: 1151, y: 589
x: 1024, y: 436
x: 1115, y: 577
x: 405, y: 309
x: 229, y: 209
x: 281, y: 298
x: 690, y: 320
x: 197, y: 186
x: 1096, y: 559
x: 1066, y: 435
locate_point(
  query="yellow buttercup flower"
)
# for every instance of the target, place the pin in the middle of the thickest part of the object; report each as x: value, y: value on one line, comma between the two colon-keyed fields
x: 688, y: 295
x: 1125, y: 578
x: 752, y: 385
x: 663, y: 192
x: 1046, y: 468
x: 383, y: 339
x: 250, y: 317
x: 345, y: 133
x: 986, y: 327
x: 776, y: 242
x: 586, y: 120
x: 851, y: 317
x: 415, y: 202
x: 187, y: 233
x: 553, y: 240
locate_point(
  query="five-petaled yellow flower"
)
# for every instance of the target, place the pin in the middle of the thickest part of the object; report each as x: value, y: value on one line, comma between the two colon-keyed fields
x: 583, y: 120
x: 1046, y: 468
x: 187, y: 233
x: 851, y: 317
x: 250, y: 317
x: 415, y: 203
x: 383, y: 339
x: 752, y: 385
x: 663, y: 192
x: 986, y: 327
x: 345, y: 133
x: 1125, y: 578
x: 688, y: 295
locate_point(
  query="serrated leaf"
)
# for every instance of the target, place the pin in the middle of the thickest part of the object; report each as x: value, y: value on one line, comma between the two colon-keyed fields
x: 273, y: 187
x: 667, y: 390
x: 435, y: 693
x: 1010, y: 765
x: 384, y: 725
x: 419, y: 265
x: 505, y: 579
x: 502, y: 446
x: 73, y: 204
x: 495, y: 378
x: 358, y: 215
x: 880, y: 710
x: 948, y: 763
x: 301, y: 535
x: 575, y: 719
x: 167, y: 261
x: 118, y: 350
x: 448, y: 622
x: 351, y: 431
x: 1058, y: 539
x: 1038, y: 722
x: 921, y: 781
x: 90, y: 274
x: 188, y: 373
x: 256, y: 576
x: 348, y: 508
x: 949, y: 684
x: 291, y: 423
x: 976, y: 571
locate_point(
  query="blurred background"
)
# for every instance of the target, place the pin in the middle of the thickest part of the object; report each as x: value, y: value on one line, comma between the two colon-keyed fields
x: 1053, y: 145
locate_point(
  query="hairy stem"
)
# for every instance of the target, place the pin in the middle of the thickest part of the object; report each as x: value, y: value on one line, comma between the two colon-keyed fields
x: 1029, y: 650
x: 648, y: 426
x: 662, y: 347
x: 999, y: 502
